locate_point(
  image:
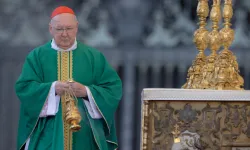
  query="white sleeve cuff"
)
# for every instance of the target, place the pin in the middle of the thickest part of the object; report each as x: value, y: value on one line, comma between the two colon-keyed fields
x: 91, y: 106
x: 52, y: 103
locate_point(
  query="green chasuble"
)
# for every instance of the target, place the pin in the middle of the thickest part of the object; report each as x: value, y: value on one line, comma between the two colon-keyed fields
x: 85, y: 65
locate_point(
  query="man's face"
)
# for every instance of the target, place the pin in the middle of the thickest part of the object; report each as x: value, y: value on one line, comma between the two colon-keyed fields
x: 63, y: 28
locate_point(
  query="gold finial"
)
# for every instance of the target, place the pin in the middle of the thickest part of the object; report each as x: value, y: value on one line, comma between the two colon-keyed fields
x: 194, y: 76
x: 214, y: 35
x: 226, y: 75
x: 227, y: 33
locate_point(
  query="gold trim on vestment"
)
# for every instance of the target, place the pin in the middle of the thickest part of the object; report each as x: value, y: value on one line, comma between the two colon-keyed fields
x: 103, y: 118
x: 36, y: 122
x: 112, y: 142
x: 100, y: 112
x: 64, y: 63
x: 93, y: 132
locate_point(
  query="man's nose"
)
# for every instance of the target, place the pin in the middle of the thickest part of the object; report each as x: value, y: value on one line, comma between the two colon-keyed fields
x: 64, y: 33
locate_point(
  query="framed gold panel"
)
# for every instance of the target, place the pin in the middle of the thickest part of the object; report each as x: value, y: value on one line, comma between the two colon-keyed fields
x: 183, y: 119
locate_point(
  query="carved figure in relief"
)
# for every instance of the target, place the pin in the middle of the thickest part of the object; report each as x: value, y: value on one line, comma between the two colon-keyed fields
x: 162, y: 137
x: 207, y: 73
x: 223, y: 72
x: 188, y: 141
x: 235, y: 121
x: 238, y: 81
x: 194, y: 74
x: 226, y: 75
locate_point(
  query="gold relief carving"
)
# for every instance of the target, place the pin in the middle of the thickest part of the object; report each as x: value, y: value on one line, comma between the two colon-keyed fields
x: 208, y: 72
x: 195, y: 73
x: 236, y: 122
x: 163, y: 125
x: 176, y: 134
x: 195, y: 125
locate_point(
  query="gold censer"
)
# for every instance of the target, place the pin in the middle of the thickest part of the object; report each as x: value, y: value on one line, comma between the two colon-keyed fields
x: 72, y: 115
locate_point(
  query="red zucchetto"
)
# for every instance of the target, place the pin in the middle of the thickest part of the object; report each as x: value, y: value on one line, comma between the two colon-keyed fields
x: 61, y: 10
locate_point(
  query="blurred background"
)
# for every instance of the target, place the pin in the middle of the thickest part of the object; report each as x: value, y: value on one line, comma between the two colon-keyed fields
x: 148, y: 42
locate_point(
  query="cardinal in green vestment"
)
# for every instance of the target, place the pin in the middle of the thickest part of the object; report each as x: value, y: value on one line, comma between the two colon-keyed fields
x: 43, y: 83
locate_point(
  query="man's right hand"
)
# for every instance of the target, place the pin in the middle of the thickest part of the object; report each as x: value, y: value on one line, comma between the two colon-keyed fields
x: 61, y: 87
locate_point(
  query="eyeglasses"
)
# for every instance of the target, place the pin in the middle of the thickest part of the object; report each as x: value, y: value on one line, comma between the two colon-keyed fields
x: 61, y: 30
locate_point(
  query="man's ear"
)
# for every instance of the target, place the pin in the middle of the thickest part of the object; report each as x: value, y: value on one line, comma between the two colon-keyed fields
x: 77, y: 26
x: 50, y: 28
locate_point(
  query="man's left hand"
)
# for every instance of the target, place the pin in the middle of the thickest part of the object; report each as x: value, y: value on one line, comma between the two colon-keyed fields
x: 78, y: 89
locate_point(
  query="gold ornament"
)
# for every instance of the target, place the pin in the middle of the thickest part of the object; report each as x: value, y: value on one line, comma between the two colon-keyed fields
x: 201, y: 41
x: 72, y: 115
x: 226, y: 75
x: 176, y: 134
x: 221, y: 71
x: 214, y: 44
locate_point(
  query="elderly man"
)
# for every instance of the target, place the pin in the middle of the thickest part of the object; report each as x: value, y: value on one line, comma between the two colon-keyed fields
x: 43, y: 85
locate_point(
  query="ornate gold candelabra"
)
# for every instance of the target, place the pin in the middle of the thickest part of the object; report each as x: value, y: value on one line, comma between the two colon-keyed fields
x: 214, y: 44
x: 226, y: 74
x: 72, y: 115
x: 194, y: 76
x: 220, y: 72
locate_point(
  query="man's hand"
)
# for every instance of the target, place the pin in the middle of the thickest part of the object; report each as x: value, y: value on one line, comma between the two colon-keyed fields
x: 61, y: 87
x: 78, y: 89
